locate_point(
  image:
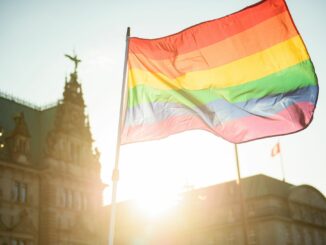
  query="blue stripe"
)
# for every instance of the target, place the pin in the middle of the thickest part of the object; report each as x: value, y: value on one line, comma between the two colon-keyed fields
x: 220, y: 111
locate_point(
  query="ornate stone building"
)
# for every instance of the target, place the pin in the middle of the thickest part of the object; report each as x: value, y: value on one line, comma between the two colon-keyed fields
x: 50, y: 186
x: 277, y: 213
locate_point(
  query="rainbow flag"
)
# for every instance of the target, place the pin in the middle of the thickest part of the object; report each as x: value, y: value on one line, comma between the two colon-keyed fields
x: 242, y: 77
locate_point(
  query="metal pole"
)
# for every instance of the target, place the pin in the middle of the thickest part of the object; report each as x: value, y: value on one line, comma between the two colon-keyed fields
x: 281, y: 161
x: 115, y: 173
x: 242, y: 202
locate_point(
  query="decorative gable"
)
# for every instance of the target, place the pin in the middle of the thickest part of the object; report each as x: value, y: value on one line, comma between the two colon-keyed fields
x: 18, y: 142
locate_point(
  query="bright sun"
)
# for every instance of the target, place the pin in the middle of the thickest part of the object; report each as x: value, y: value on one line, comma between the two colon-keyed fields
x: 150, y: 202
x: 154, y: 175
x: 152, y: 197
x: 154, y: 206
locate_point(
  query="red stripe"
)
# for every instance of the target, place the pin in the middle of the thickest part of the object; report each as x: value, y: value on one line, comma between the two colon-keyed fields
x: 290, y: 120
x: 268, y: 33
x: 201, y: 35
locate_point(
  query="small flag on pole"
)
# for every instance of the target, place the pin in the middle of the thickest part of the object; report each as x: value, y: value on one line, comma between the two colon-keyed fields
x: 241, y: 77
x: 276, y: 149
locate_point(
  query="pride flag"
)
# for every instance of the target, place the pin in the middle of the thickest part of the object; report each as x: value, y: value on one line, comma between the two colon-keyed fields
x: 242, y: 77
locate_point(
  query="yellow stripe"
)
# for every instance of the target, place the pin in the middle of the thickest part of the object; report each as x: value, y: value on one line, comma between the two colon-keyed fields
x: 250, y: 68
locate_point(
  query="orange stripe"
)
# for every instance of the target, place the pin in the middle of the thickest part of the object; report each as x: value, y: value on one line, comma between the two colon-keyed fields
x: 253, y: 67
x: 201, y: 35
x: 253, y: 40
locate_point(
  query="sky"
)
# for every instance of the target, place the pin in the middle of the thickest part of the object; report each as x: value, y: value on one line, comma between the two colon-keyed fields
x: 35, y: 35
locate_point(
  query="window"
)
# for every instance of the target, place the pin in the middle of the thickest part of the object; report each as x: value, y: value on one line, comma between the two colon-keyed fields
x: 18, y: 242
x: 77, y: 200
x: 287, y: 234
x: 297, y: 235
x: 22, y: 146
x: 230, y: 216
x: 84, y: 207
x: 307, y: 237
x: 75, y: 153
x: 251, y: 210
x: 68, y: 198
x: 19, y: 192
x: 72, y: 152
x: 15, y: 192
x: 231, y: 238
x: 23, y: 193
x: 65, y: 198
x: 74, y: 199
x: 62, y: 197
x: 252, y: 237
x: 231, y: 189
x: 318, y: 237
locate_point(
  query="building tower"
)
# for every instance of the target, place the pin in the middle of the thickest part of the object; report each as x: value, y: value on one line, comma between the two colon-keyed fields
x: 71, y: 189
x: 50, y: 185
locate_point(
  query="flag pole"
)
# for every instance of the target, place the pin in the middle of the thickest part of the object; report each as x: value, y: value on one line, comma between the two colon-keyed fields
x: 242, y: 202
x: 281, y: 161
x: 115, y: 173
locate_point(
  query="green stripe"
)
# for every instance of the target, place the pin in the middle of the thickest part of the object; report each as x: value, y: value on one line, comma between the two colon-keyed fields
x: 290, y: 79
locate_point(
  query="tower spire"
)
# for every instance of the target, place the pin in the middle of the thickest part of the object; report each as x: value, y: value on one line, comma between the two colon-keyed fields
x: 71, y: 125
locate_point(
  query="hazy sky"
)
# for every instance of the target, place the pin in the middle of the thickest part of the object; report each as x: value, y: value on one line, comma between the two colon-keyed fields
x: 35, y: 35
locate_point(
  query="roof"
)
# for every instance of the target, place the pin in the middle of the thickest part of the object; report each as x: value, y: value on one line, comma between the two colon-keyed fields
x: 39, y: 122
x: 253, y: 187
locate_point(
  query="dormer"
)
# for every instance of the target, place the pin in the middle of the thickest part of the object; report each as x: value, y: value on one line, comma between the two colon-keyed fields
x: 18, y: 141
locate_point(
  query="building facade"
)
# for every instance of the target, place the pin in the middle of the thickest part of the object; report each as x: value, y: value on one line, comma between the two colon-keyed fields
x: 50, y: 186
x: 276, y: 212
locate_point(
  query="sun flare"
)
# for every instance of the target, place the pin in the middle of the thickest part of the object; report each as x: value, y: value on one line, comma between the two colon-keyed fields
x: 155, y: 206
